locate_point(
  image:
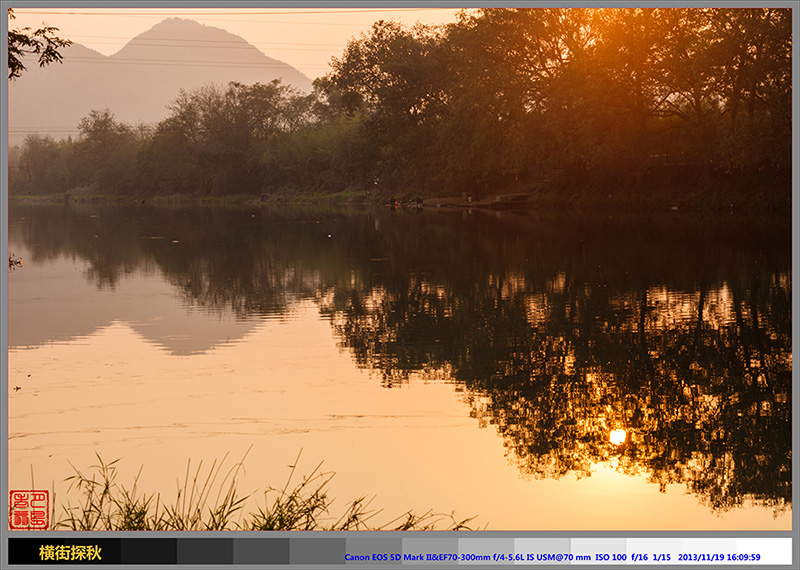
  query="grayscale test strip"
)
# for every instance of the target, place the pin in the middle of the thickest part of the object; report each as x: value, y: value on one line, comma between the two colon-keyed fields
x: 381, y: 551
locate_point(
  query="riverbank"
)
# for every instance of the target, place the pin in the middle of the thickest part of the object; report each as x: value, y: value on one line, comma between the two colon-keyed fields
x: 234, y: 200
x: 686, y: 189
x: 721, y: 193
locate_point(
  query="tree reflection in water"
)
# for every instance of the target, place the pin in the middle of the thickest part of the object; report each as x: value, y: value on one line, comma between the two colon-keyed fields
x: 662, y: 345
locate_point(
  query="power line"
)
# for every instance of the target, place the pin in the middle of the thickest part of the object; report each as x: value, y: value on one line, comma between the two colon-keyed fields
x: 187, y: 63
x: 251, y: 21
x: 211, y: 18
x: 169, y: 11
x: 199, y: 46
x: 137, y: 38
x: 23, y: 130
x: 132, y: 129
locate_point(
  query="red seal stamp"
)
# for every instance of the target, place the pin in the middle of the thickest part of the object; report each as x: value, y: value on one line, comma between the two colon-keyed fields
x: 29, y: 510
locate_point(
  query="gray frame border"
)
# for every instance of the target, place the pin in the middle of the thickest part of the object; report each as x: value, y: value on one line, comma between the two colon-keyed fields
x: 441, y: 535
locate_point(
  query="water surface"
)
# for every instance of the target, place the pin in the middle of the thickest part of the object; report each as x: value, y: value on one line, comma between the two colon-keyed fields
x: 547, y: 372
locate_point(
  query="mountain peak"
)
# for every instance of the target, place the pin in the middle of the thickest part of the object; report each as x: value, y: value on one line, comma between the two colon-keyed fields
x: 141, y: 79
x: 174, y: 28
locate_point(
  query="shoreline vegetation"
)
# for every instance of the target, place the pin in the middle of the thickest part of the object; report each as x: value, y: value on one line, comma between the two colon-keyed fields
x: 210, y: 499
x: 754, y: 194
x: 621, y: 109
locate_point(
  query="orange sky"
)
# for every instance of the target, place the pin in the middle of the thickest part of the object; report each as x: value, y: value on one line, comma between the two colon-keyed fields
x: 303, y: 38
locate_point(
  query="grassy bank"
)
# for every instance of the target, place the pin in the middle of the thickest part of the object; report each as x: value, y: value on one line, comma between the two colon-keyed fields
x: 233, y: 200
x: 662, y: 190
x: 210, y: 499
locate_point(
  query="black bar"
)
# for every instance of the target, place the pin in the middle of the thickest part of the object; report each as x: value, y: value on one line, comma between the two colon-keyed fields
x: 64, y: 551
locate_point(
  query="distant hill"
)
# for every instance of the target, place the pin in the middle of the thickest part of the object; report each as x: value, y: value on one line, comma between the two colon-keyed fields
x: 138, y: 81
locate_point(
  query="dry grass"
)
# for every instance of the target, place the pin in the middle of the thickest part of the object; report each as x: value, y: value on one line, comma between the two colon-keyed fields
x: 209, y: 499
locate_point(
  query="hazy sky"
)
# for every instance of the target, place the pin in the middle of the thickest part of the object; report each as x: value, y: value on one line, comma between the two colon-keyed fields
x: 303, y: 38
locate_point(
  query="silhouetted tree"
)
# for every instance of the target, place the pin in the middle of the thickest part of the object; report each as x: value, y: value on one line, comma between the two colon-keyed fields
x: 41, y: 42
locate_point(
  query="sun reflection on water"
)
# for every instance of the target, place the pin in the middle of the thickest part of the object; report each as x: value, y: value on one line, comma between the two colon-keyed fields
x: 618, y: 436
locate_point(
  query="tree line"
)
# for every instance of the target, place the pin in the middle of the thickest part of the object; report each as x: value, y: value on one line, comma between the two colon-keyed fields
x: 497, y: 99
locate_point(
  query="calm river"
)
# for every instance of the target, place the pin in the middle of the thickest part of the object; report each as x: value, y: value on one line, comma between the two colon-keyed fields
x: 539, y: 372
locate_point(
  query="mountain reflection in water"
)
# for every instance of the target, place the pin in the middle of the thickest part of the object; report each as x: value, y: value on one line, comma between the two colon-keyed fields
x: 661, y: 343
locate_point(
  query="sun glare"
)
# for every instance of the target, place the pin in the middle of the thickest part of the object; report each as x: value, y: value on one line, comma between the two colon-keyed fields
x: 618, y: 436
